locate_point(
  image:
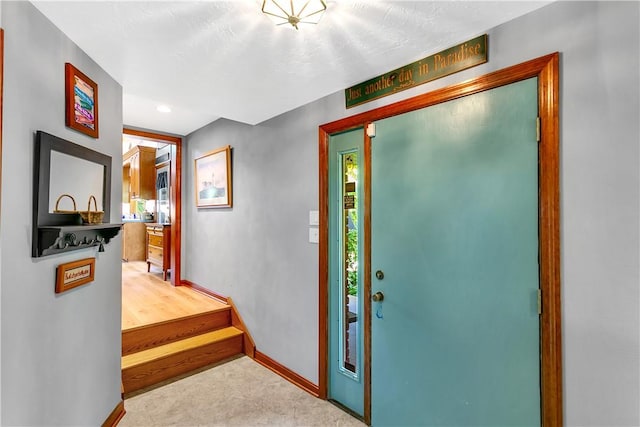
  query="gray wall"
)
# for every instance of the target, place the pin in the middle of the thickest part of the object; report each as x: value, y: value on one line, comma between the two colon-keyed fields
x: 60, y: 353
x: 258, y: 252
x: 0, y: 268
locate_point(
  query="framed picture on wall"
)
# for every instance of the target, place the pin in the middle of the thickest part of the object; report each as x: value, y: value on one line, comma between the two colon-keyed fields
x: 213, y: 179
x: 76, y: 273
x: 81, y: 101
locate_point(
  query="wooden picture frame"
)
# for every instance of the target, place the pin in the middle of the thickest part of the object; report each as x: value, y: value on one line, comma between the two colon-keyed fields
x: 74, y: 274
x: 81, y: 101
x: 213, y: 179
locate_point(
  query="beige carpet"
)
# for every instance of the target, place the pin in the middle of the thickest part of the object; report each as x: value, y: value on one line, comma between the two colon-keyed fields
x: 239, y: 392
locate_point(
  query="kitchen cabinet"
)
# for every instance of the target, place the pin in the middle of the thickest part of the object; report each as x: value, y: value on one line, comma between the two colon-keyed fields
x: 139, y: 170
x: 134, y: 238
x: 159, y: 247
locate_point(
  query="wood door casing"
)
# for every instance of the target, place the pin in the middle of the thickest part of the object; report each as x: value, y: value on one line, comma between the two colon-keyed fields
x: 546, y: 68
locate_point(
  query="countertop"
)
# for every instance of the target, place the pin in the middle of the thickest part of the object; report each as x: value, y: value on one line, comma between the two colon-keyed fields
x: 137, y: 220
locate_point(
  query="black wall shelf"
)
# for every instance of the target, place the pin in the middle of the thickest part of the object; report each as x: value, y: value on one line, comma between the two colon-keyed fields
x: 55, y: 232
x: 58, y: 239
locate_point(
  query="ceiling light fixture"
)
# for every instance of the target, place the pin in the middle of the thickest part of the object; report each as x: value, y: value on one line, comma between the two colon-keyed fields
x: 294, y: 12
x: 163, y: 108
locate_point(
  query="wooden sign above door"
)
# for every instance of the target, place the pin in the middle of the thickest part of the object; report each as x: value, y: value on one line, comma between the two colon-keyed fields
x: 449, y: 61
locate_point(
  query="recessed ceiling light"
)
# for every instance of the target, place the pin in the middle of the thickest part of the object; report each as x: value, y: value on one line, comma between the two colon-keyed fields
x: 163, y: 108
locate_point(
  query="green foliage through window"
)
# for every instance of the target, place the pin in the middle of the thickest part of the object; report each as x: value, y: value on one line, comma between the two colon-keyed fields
x: 351, y: 176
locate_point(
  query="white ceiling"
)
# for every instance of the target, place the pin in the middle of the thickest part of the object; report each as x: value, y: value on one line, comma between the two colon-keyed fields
x: 212, y: 59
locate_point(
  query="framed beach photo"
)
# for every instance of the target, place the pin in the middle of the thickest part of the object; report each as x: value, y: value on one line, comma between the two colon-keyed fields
x: 213, y: 179
x: 81, y: 101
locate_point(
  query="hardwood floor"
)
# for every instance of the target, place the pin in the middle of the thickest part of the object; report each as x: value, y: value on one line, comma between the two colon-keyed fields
x: 147, y: 299
x: 169, y: 331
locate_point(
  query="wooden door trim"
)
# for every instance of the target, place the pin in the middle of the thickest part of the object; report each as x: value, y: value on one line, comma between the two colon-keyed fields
x: 176, y: 198
x: 366, y: 257
x: 546, y: 69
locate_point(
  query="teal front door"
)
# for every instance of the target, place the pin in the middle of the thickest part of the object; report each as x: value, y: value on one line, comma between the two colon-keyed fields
x: 454, y: 260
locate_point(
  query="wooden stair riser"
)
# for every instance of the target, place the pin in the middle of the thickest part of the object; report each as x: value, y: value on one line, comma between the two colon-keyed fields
x: 143, y: 338
x: 172, y: 365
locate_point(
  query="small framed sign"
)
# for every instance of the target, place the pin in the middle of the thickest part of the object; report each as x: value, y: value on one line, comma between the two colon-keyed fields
x: 81, y: 101
x: 76, y: 273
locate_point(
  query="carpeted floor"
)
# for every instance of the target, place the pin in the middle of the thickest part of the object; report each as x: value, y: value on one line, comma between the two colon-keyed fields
x: 239, y: 392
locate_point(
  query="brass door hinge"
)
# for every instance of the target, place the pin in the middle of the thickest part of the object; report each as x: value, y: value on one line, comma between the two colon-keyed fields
x: 539, y: 301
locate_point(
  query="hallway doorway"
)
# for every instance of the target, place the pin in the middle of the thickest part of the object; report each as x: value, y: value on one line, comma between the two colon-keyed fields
x: 151, y: 206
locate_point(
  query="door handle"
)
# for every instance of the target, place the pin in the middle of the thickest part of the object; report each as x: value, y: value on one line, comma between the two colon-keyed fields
x: 377, y: 297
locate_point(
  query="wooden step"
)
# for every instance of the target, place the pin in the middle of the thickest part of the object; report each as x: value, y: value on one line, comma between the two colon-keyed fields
x: 151, y: 366
x: 156, y: 334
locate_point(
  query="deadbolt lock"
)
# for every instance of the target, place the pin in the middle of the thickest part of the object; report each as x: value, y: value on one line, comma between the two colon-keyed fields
x: 379, y: 275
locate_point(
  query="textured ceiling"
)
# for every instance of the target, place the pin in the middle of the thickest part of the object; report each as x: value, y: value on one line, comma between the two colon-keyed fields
x: 212, y: 59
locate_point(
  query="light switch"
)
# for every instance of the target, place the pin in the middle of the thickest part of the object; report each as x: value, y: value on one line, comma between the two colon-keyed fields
x: 314, y: 218
x: 314, y: 235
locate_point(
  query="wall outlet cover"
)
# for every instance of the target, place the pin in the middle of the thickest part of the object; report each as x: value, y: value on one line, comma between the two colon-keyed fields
x: 314, y: 235
x: 314, y: 218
